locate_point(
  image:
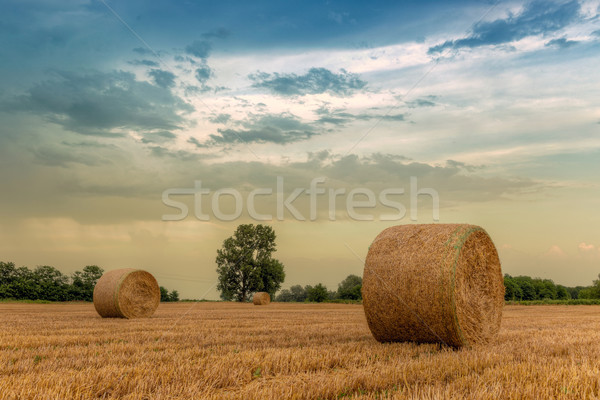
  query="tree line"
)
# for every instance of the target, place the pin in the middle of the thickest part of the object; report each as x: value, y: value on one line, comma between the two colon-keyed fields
x: 349, y: 289
x: 517, y: 288
x: 48, y: 283
x: 528, y: 288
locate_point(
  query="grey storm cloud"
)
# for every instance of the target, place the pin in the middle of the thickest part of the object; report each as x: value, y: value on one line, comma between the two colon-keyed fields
x: 538, y: 17
x: 562, y: 43
x: 95, y: 103
x: 199, y: 48
x: 164, y: 79
x: 315, y: 81
x: 272, y: 128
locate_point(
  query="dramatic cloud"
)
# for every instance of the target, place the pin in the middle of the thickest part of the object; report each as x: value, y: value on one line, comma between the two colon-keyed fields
x: 99, y: 103
x: 164, y: 79
x: 538, y: 17
x: 563, y: 43
x: 199, y: 48
x: 315, y: 81
x: 273, y: 128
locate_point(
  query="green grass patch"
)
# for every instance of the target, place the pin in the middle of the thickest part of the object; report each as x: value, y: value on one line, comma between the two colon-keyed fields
x: 26, y: 301
x: 569, y: 302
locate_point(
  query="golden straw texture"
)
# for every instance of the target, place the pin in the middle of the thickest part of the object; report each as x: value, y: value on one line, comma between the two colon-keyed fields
x: 126, y: 293
x: 261, y: 299
x: 433, y: 283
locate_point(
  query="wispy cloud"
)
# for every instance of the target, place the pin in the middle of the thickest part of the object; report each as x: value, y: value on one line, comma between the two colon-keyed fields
x: 562, y: 43
x: 538, y: 17
x: 271, y: 128
x: 145, y: 63
x: 315, y: 81
x: 341, y: 117
x: 158, y: 137
x: 427, y: 101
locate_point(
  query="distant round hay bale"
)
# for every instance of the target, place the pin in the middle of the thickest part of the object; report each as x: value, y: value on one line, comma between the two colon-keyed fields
x: 437, y: 283
x: 126, y: 293
x: 261, y: 299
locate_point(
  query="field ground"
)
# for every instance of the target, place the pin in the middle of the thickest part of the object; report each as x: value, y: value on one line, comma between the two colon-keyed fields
x: 308, y: 351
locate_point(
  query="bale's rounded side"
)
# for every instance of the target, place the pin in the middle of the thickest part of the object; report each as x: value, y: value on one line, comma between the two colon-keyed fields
x: 126, y: 293
x: 261, y: 299
x: 433, y: 283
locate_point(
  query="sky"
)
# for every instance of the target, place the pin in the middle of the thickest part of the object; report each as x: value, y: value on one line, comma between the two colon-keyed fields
x: 119, y: 116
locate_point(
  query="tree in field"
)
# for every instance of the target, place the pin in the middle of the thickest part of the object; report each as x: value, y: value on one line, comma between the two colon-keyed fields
x: 83, y: 283
x: 245, y: 264
x: 174, y: 295
x: 298, y: 293
x: 525, y: 283
x: 317, y: 293
x: 595, y: 289
x: 512, y: 290
x: 350, y: 288
x: 284, y: 296
x: 51, y: 283
x: 164, y: 294
x: 562, y: 293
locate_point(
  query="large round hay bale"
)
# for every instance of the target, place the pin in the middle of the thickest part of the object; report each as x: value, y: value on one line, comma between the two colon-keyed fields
x: 438, y: 283
x: 261, y: 299
x: 126, y: 293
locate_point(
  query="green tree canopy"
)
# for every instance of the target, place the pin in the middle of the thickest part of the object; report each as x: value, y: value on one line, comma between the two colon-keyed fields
x: 83, y: 283
x: 317, y: 293
x: 350, y: 288
x: 245, y: 264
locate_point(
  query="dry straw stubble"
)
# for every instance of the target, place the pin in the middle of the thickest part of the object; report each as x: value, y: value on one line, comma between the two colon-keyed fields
x: 433, y: 283
x: 261, y: 299
x: 126, y: 293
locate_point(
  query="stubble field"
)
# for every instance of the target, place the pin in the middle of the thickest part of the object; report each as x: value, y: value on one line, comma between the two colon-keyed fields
x: 303, y: 351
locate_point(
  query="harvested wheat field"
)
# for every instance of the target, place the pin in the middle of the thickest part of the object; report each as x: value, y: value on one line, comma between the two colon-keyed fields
x: 303, y: 351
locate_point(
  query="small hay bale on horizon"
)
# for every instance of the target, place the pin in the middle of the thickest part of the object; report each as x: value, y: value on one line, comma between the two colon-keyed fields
x: 433, y: 283
x: 126, y: 293
x: 261, y: 299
